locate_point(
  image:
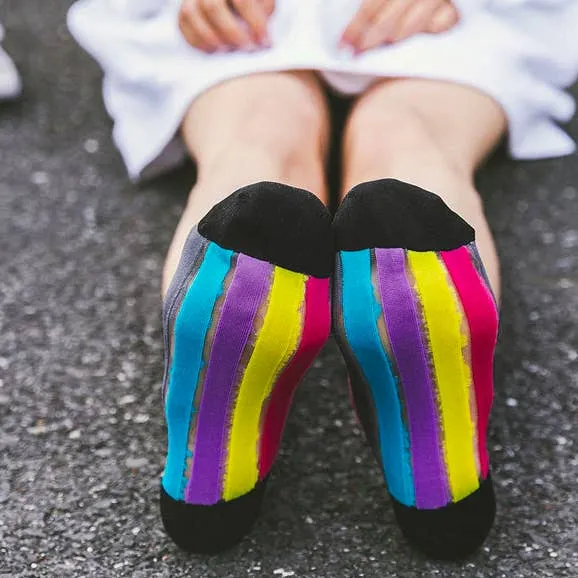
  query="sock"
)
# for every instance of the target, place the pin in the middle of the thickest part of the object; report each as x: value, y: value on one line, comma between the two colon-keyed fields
x: 244, y: 317
x: 417, y: 323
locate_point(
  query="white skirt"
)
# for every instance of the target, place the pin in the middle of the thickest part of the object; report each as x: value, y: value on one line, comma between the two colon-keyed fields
x: 523, y: 53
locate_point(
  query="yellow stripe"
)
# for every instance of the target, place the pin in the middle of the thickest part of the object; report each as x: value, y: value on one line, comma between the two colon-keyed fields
x: 453, y: 375
x: 276, y: 343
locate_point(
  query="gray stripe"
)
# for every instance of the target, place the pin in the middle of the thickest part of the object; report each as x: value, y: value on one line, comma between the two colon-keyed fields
x: 193, y: 246
x: 187, y: 268
x: 479, y: 266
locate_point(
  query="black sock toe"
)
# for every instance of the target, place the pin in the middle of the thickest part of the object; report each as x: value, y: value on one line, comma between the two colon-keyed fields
x: 283, y: 225
x: 211, y: 529
x: 454, y: 531
x: 393, y: 214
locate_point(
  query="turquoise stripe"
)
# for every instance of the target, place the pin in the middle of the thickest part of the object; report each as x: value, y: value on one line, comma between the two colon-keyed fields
x: 360, y: 313
x: 190, y: 329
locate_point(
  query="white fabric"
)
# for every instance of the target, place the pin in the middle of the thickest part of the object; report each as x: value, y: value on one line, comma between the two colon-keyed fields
x: 10, y: 84
x: 523, y: 53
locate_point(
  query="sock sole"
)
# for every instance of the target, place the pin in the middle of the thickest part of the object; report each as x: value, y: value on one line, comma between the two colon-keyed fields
x: 241, y: 330
x: 417, y: 326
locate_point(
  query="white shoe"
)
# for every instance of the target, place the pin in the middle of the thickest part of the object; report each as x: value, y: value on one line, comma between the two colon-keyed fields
x: 10, y: 83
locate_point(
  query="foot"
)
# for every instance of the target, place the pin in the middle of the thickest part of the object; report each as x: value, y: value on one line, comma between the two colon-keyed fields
x: 10, y: 84
x: 417, y: 323
x: 245, y: 315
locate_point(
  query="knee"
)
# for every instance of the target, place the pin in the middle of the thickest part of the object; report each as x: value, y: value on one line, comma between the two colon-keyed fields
x: 395, y: 135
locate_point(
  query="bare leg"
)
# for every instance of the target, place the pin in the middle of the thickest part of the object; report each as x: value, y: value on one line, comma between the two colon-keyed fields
x: 431, y: 134
x: 256, y: 128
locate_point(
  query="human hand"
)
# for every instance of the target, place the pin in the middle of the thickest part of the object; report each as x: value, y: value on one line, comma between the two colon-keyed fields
x: 212, y: 25
x: 380, y: 22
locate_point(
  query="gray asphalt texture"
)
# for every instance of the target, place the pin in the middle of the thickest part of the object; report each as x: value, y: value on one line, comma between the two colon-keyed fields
x: 81, y: 423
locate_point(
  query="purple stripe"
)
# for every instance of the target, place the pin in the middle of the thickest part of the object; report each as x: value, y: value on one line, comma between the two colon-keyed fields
x: 250, y: 282
x: 404, y: 328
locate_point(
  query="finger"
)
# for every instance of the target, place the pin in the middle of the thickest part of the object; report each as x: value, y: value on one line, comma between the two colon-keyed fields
x: 269, y: 6
x: 383, y: 28
x: 417, y: 19
x: 444, y: 19
x: 230, y: 29
x: 254, y: 14
x: 196, y: 30
x: 360, y: 22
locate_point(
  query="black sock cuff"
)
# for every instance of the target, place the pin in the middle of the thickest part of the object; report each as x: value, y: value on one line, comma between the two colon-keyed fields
x: 392, y: 214
x: 283, y: 225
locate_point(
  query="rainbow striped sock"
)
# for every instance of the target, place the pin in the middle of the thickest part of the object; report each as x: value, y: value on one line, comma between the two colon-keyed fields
x: 417, y: 323
x: 246, y: 314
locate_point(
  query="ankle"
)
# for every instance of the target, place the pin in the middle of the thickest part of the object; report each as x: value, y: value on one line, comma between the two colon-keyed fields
x: 249, y: 164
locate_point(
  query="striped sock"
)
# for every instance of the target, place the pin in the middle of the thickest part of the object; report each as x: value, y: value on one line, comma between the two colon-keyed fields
x: 246, y: 314
x: 417, y: 324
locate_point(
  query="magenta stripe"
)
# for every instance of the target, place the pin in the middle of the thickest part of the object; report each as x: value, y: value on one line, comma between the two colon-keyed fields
x: 250, y: 283
x: 407, y: 343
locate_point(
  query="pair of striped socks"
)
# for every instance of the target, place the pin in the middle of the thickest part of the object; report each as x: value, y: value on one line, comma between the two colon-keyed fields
x: 250, y: 307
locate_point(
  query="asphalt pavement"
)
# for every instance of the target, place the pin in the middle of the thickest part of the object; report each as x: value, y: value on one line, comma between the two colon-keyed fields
x: 81, y: 423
